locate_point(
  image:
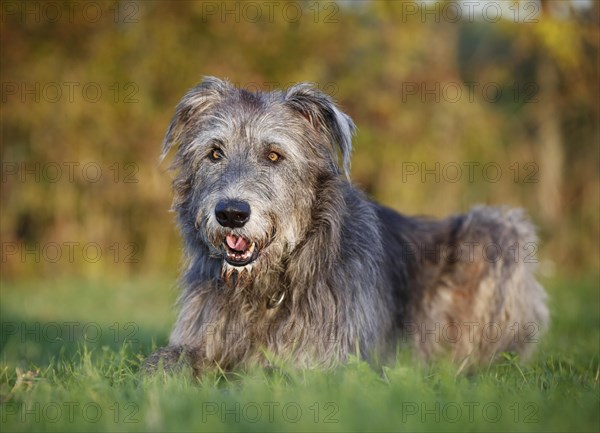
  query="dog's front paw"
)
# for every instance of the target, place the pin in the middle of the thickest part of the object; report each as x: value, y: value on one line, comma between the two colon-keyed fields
x: 170, y: 359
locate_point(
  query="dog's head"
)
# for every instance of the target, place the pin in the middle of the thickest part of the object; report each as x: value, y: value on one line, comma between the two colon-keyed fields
x: 249, y: 169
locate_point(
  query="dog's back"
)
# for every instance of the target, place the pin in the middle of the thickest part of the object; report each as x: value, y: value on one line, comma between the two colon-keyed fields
x: 465, y: 285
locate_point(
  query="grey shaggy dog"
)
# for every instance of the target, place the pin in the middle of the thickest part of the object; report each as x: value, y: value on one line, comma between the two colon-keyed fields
x: 284, y: 256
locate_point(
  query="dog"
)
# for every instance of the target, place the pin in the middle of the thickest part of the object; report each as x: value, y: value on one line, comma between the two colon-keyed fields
x: 284, y: 256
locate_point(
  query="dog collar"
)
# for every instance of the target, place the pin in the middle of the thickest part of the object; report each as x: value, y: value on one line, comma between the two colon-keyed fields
x: 275, y: 300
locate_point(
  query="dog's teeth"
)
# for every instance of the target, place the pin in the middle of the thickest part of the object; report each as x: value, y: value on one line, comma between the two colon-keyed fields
x: 240, y: 256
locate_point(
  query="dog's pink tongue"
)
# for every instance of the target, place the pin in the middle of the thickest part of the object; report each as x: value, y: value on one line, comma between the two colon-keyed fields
x: 237, y: 243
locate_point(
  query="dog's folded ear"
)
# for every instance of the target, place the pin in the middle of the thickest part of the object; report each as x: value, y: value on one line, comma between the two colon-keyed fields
x: 196, y: 101
x: 325, y: 116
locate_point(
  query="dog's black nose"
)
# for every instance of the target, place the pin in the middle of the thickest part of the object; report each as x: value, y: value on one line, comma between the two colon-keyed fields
x: 232, y: 213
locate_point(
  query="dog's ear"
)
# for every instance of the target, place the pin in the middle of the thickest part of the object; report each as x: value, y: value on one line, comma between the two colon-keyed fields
x: 196, y: 101
x: 325, y: 116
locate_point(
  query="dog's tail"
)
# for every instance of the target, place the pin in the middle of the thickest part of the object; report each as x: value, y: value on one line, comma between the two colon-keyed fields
x: 510, y: 248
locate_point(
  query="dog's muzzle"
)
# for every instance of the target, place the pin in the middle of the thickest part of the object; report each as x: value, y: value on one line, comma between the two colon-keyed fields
x: 234, y: 214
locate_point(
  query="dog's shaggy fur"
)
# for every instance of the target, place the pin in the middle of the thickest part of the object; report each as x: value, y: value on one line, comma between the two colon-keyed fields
x: 285, y: 256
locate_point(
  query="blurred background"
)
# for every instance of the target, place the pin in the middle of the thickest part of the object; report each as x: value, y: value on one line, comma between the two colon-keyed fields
x: 456, y: 103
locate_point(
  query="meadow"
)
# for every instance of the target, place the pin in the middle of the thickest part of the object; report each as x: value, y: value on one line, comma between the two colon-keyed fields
x: 71, y: 352
x: 494, y: 106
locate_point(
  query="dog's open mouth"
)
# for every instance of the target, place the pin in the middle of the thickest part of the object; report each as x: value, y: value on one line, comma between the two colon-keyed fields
x: 239, y: 251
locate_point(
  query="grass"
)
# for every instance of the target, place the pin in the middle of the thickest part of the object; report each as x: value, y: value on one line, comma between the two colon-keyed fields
x: 70, y: 352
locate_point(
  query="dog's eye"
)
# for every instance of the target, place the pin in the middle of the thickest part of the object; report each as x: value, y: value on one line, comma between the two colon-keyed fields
x: 216, y: 154
x: 274, y: 156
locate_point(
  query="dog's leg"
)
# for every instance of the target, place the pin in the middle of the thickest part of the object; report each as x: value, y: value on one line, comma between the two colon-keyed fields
x: 170, y: 359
